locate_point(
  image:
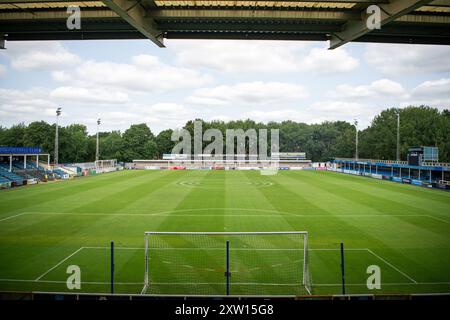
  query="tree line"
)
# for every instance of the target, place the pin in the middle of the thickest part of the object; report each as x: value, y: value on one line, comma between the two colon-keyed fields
x: 420, y: 126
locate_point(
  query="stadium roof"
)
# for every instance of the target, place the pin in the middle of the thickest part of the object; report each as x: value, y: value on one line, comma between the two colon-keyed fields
x: 340, y: 21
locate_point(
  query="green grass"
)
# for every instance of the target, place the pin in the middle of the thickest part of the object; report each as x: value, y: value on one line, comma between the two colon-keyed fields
x: 403, y: 229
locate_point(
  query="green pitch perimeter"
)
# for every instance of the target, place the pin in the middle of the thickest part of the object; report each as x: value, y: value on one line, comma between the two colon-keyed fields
x: 405, y: 230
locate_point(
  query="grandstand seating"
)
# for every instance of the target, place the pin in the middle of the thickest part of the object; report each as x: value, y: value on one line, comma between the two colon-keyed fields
x: 59, y: 173
x: 3, y: 180
x: 11, y: 176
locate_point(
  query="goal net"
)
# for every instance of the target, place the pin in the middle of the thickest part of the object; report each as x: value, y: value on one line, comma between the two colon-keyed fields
x: 227, y: 263
x: 105, y: 163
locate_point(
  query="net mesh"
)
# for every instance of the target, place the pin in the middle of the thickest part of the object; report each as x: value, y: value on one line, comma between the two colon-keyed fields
x: 259, y: 264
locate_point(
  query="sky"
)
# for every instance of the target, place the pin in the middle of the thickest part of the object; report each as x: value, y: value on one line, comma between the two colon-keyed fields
x: 126, y: 82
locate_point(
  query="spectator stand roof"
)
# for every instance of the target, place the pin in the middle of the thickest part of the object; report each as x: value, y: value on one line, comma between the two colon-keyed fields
x: 339, y: 21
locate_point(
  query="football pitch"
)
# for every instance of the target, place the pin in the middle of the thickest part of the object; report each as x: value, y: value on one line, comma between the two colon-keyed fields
x: 402, y: 229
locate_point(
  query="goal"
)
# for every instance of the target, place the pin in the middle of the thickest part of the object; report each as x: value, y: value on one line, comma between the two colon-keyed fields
x: 105, y: 163
x: 227, y: 263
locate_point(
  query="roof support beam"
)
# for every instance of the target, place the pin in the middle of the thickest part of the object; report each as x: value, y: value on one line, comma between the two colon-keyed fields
x: 206, y: 26
x: 172, y: 1
x: 389, y: 12
x: 134, y: 13
x: 252, y: 14
x: 55, y: 15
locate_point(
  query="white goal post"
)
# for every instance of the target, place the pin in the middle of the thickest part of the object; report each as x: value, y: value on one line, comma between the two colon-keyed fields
x: 227, y: 263
x: 105, y: 163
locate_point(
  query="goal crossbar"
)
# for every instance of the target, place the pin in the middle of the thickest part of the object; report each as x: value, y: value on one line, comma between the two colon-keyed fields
x: 305, y: 274
x: 224, y: 233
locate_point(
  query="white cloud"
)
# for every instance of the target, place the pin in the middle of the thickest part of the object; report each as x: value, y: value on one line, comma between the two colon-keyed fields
x: 2, y: 70
x: 25, y: 105
x: 325, y: 61
x: 435, y: 93
x: 40, y: 56
x: 91, y: 95
x: 61, y: 76
x: 249, y: 93
x: 402, y: 59
x: 262, y: 56
x: 145, y: 74
x: 383, y: 88
x: 439, y: 87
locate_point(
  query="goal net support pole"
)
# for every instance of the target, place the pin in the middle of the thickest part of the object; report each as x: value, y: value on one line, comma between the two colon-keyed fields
x: 249, y: 250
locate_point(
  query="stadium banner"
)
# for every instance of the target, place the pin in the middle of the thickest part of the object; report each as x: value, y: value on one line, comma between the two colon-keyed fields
x: 404, y: 180
x: 174, y: 156
x: 20, y: 150
x: 5, y: 185
x: 396, y: 179
x: 283, y: 168
x: 297, y: 168
x: 177, y: 168
x: 416, y: 182
x: 32, y: 181
x: 377, y: 176
x: 289, y: 155
x: 152, y: 168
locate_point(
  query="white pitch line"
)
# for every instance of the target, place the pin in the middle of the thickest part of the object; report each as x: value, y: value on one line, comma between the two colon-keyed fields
x: 11, y: 217
x: 392, y: 266
x: 277, y: 214
x: 219, y: 283
x: 382, y: 284
x: 63, y: 282
x: 438, y: 219
x: 62, y: 261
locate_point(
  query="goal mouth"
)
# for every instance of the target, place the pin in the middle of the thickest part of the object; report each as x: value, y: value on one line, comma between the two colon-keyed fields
x: 227, y: 263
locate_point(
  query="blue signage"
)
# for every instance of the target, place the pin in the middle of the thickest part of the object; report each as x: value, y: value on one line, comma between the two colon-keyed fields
x: 20, y: 150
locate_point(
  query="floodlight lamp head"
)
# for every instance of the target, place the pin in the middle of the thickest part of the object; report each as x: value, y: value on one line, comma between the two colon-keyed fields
x: 58, y: 112
x: 98, y: 121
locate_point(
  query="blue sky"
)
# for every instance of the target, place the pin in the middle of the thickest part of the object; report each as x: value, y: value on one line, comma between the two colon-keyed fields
x: 125, y: 82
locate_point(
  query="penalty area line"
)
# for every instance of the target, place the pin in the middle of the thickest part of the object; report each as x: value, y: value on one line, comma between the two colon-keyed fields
x: 392, y: 266
x: 58, y: 264
x: 12, y: 217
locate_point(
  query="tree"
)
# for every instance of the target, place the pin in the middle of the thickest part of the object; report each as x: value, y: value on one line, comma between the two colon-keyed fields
x: 40, y: 134
x: 111, y: 145
x: 13, y: 136
x: 163, y: 141
x: 73, y: 143
x: 419, y: 126
x: 138, y: 143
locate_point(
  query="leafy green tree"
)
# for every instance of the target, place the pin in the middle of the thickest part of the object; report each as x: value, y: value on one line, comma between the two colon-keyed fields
x: 111, y: 145
x: 13, y: 136
x: 138, y: 143
x: 163, y: 141
x: 40, y: 134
